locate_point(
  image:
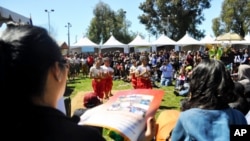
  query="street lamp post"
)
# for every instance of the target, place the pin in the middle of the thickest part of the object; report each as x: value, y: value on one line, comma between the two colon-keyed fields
x: 68, y: 26
x: 49, y: 11
x: 102, y: 25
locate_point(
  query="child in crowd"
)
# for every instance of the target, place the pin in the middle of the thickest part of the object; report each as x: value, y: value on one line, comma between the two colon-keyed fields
x: 143, y: 74
x: 96, y: 72
x: 132, y: 72
x: 180, y: 80
x: 108, y: 77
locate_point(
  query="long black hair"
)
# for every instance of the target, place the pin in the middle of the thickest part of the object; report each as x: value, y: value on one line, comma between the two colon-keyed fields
x: 26, y: 54
x: 211, y: 86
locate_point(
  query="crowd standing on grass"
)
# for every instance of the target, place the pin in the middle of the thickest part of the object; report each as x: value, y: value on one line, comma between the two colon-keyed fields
x: 165, y: 67
x: 33, y: 78
x: 121, y: 62
x: 159, y: 68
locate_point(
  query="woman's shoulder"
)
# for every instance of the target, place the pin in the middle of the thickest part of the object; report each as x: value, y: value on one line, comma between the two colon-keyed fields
x: 235, y: 116
x: 193, y: 115
x: 230, y: 115
x: 200, y: 111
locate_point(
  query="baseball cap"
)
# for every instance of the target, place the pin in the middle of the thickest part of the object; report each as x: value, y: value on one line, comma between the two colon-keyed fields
x: 91, y: 100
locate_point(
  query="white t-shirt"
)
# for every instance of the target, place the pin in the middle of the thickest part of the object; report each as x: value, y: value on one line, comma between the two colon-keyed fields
x: 142, y: 69
x: 77, y: 60
x: 95, y: 71
x: 83, y: 61
x: 107, y: 69
x: 132, y: 69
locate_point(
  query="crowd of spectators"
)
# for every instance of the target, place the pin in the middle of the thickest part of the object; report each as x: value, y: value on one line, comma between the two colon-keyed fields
x: 166, y: 65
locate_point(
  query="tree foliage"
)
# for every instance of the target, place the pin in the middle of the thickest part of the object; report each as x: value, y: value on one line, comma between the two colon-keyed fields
x: 234, y: 17
x: 106, y: 22
x: 174, y: 17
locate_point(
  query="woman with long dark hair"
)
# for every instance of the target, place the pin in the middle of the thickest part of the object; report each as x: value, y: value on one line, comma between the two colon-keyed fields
x: 205, y: 114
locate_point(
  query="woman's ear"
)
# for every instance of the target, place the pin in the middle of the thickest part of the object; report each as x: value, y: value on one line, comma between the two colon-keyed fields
x: 56, y: 71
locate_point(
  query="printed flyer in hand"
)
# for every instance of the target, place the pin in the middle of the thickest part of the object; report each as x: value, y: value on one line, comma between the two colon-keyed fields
x: 126, y: 112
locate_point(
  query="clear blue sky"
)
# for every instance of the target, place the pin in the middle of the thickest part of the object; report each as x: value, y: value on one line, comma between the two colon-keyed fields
x: 80, y: 12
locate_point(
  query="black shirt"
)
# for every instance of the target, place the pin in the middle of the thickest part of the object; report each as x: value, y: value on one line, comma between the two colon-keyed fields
x: 49, y: 124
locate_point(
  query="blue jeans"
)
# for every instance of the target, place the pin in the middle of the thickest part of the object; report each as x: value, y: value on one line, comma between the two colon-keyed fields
x: 185, y: 91
x: 166, y: 81
x: 179, y: 83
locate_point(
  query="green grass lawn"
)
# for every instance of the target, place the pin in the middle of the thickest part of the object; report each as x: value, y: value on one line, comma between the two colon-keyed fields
x: 169, y: 101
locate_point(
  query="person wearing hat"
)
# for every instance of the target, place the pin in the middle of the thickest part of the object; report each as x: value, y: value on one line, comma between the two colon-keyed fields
x: 90, y: 100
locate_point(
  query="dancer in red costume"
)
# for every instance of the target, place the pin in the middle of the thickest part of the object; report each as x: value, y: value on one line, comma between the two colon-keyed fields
x: 97, y: 75
x: 143, y: 74
x: 132, y: 72
x: 108, y: 77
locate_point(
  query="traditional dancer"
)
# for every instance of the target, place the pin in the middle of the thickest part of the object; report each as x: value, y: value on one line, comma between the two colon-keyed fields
x: 143, y: 74
x: 108, y: 77
x: 97, y: 75
x: 132, y: 72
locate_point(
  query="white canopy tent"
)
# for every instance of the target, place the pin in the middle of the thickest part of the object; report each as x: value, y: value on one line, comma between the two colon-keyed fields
x: 138, y: 41
x: 139, y: 44
x: 188, y: 43
x: 113, y: 42
x: 84, y: 42
x: 187, y: 40
x: 163, y: 40
x: 208, y: 39
x: 10, y: 16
